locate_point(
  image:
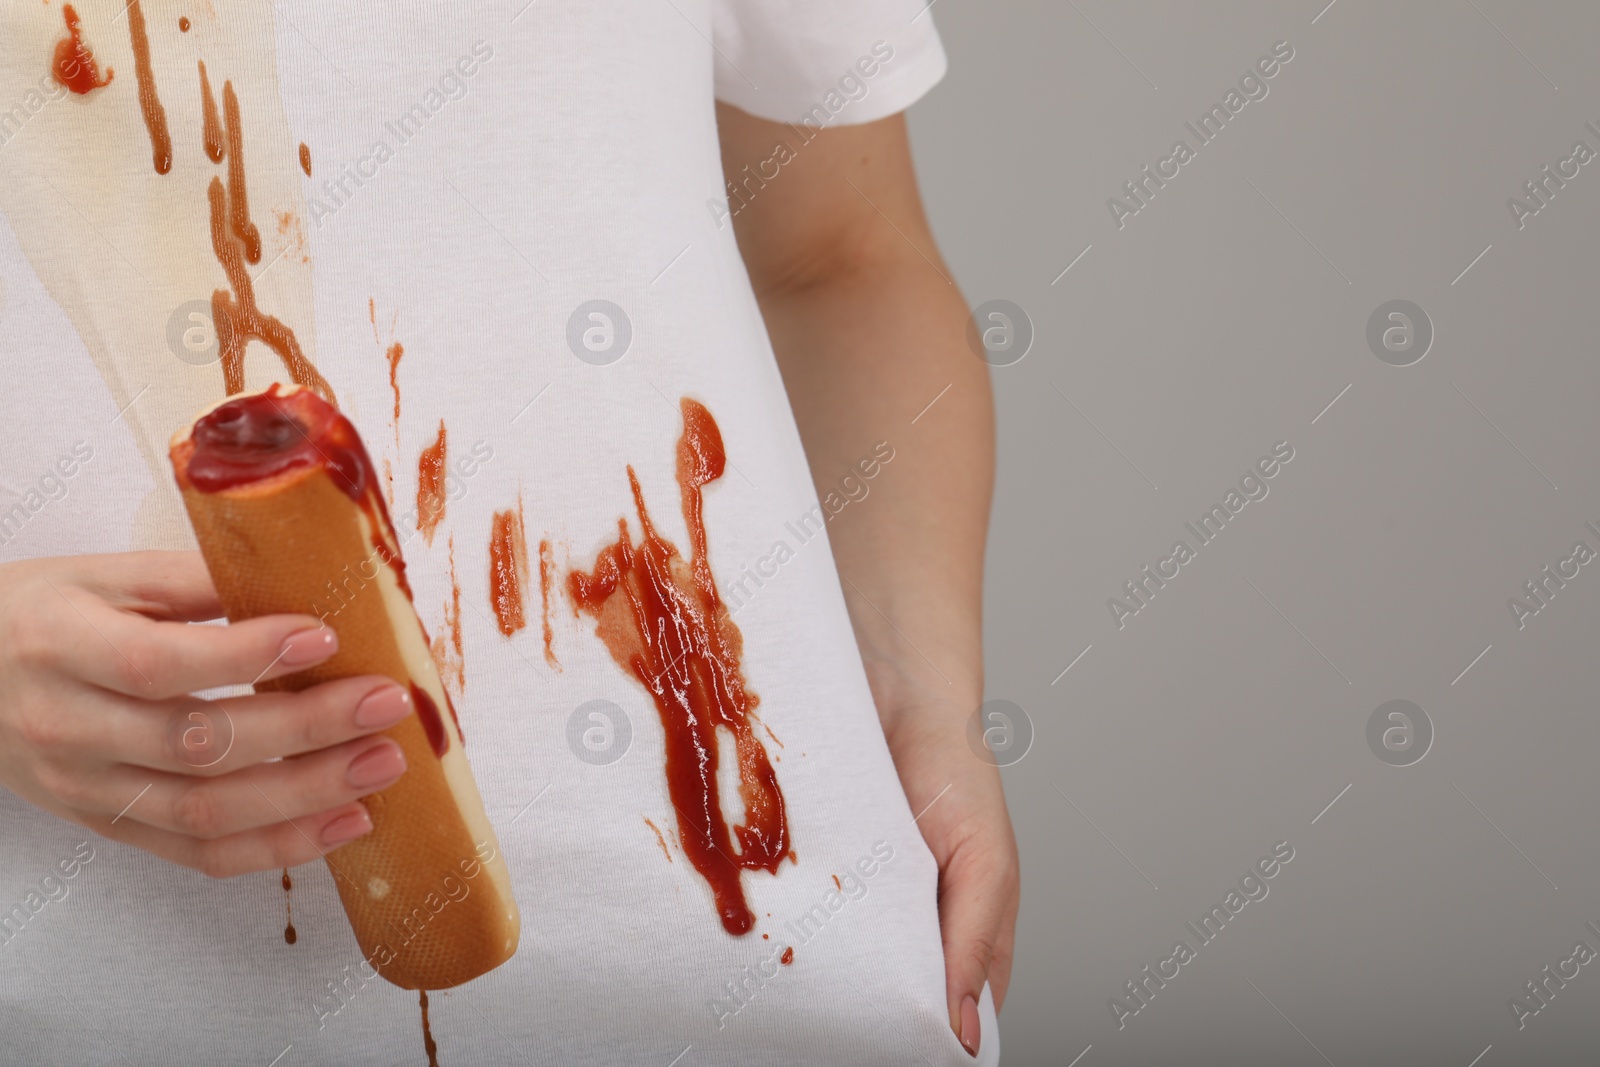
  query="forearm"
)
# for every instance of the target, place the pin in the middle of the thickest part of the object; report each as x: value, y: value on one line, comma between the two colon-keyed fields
x: 876, y: 352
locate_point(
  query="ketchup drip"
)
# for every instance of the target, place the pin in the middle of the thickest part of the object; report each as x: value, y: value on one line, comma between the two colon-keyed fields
x: 211, y: 121
x: 239, y: 321
x: 393, y: 354
x: 238, y: 195
x: 305, y: 158
x: 73, y: 65
x: 547, y: 579
x: 428, y: 1042
x: 508, y: 569
x: 155, y: 116
x: 289, y: 933
x: 664, y: 622
x: 452, y: 667
x: 431, y: 495
x: 662, y: 841
x: 183, y: 23
x: 234, y: 240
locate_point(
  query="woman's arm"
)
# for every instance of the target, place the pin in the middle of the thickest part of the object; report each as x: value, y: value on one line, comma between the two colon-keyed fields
x: 869, y: 330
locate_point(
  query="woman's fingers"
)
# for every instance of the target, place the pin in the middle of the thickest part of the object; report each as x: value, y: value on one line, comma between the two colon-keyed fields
x: 258, y: 796
x: 284, y: 844
x: 211, y: 738
x: 159, y: 660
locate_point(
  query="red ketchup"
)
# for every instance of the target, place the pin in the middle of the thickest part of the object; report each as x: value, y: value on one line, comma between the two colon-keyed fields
x: 667, y: 626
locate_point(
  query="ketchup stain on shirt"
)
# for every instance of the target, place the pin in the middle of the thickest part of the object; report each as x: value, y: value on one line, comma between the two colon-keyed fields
x: 289, y: 933
x: 431, y: 494
x: 237, y: 319
x: 305, y: 158
x: 394, y: 354
x: 238, y: 194
x: 547, y: 579
x: 508, y: 569
x: 73, y: 64
x: 660, y: 839
x: 155, y: 116
x: 663, y: 621
x: 211, y: 120
x: 448, y: 652
x: 183, y: 23
x: 428, y: 1042
x: 787, y: 957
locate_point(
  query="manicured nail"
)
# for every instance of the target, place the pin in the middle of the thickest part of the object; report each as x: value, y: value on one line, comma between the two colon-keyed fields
x: 378, y: 766
x: 969, y: 1025
x: 305, y: 647
x: 346, y: 828
x: 383, y: 707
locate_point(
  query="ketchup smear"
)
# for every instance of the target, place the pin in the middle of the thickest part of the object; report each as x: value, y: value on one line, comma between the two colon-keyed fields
x: 664, y: 622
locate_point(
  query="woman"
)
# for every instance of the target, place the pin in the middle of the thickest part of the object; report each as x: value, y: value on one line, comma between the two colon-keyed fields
x: 501, y: 239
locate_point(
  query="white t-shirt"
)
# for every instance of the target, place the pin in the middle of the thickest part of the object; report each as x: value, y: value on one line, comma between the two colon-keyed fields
x: 527, y: 199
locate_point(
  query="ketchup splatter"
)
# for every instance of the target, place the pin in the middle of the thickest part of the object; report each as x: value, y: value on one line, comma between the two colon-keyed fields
x: 238, y: 196
x: 664, y: 622
x: 289, y: 933
x: 836, y: 884
x: 431, y: 495
x: 238, y: 320
x: 305, y: 158
x: 155, y: 116
x: 787, y: 957
x: 547, y: 579
x: 661, y: 840
x: 394, y: 354
x: 73, y: 65
x: 452, y: 668
x: 183, y: 23
x: 211, y: 120
x: 427, y: 1032
x: 508, y: 569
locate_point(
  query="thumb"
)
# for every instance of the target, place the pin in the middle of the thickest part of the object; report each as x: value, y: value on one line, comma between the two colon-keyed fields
x: 171, y: 586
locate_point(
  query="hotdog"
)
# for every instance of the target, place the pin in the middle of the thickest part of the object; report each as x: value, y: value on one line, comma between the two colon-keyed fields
x: 284, y: 502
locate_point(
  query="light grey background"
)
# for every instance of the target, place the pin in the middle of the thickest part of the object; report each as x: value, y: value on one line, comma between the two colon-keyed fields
x: 1221, y: 319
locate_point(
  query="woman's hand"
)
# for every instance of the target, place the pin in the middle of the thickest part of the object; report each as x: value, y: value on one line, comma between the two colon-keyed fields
x: 96, y: 725
x: 960, y: 808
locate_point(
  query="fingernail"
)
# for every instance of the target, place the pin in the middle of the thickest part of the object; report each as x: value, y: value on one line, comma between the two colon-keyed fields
x: 346, y: 828
x: 383, y: 707
x: 378, y: 766
x: 306, y: 647
x: 969, y: 1025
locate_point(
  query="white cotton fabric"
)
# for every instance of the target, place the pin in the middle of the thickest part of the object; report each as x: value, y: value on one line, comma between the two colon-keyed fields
x: 579, y: 162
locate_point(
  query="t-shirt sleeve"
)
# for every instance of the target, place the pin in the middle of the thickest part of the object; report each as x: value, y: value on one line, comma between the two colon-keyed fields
x: 824, y: 62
